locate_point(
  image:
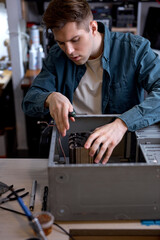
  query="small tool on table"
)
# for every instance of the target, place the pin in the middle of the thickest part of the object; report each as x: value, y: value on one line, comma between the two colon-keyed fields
x: 34, y: 222
x: 4, y: 188
x: 45, y: 196
x: 11, y: 196
x: 33, y: 195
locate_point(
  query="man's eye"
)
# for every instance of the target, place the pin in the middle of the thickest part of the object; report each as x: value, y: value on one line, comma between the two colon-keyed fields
x: 60, y: 43
x: 75, y: 40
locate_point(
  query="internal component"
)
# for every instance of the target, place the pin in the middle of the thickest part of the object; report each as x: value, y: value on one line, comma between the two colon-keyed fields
x: 77, y: 152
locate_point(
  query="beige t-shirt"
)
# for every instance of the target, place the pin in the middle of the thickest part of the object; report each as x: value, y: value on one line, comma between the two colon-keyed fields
x: 87, y: 97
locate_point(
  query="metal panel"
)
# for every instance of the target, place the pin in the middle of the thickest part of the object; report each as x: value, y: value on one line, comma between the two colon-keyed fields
x: 149, y: 135
x: 109, y: 192
x: 151, y: 153
x: 102, y: 192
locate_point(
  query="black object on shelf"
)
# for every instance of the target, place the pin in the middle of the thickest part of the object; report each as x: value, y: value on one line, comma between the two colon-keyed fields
x: 152, y: 27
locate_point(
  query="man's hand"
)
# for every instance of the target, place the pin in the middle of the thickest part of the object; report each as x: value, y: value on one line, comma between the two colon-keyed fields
x: 59, y: 107
x: 107, y: 138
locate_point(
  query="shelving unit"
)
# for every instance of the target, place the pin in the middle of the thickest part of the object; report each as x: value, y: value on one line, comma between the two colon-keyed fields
x: 130, y: 29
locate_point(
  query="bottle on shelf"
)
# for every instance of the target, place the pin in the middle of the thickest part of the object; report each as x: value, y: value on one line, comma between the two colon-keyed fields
x: 33, y: 58
x: 34, y: 36
x: 40, y: 56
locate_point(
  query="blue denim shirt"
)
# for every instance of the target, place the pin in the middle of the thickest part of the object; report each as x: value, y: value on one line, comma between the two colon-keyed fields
x: 129, y: 67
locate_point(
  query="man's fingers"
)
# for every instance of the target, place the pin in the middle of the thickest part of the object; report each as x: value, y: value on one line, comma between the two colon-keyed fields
x: 60, y: 107
x: 60, y: 122
x: 72, y: 119
x: 107, y: 154
x: 96, y: 144
x: 65, y: 118
x: 101, y: 152
x: 60, y: 126
x: 90, y: 140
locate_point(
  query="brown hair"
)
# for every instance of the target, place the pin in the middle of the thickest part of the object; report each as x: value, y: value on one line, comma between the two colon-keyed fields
x: 59, y: 12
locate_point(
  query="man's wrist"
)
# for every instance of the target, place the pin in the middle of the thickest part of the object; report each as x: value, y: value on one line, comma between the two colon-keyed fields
x: 46, y: 103
x: 122, y: 123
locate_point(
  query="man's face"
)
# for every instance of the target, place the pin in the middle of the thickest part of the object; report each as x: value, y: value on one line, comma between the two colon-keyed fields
x: 75, y: 41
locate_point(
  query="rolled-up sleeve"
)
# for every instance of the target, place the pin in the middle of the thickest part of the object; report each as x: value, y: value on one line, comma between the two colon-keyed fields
x: 147, y: 65
x: 43, y: 85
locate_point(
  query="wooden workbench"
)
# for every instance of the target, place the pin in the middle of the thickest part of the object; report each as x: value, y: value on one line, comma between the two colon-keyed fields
x: 28, y: 78
x: 21, y: 173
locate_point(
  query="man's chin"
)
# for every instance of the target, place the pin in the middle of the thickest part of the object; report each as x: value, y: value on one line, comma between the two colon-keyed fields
x: 79, y: 62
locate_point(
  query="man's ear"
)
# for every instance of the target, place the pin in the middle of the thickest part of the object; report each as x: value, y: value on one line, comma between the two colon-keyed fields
x: 94, y: 27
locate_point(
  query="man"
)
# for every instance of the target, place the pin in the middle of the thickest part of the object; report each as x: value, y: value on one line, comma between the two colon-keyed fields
x: 95, y: 71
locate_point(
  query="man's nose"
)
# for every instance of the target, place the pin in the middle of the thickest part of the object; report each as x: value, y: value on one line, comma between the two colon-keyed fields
x: 69, y: 49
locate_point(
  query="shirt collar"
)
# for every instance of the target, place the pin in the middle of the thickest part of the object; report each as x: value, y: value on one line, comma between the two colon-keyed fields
x: 106, y: 51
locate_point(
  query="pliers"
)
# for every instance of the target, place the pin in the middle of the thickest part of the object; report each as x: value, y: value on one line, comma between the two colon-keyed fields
x: 11, y: 196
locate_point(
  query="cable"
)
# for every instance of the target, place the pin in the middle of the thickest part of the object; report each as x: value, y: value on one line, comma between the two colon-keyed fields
x: 11, y: 210
x: 64, y: 231
x: 44, y: 132
x: 60, y: 144
x: 34, y: 222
